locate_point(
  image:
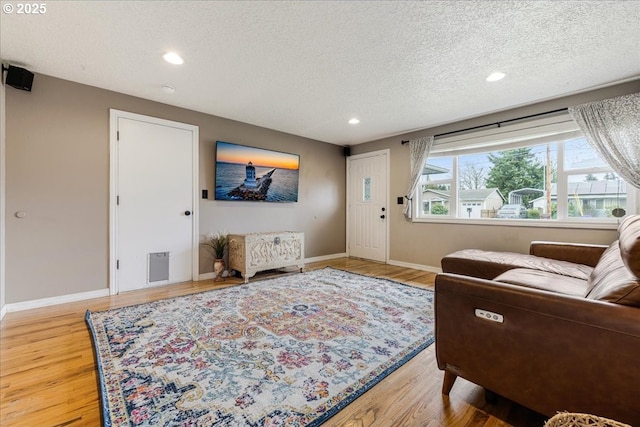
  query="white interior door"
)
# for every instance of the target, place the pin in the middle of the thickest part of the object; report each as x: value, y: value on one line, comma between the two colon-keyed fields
x: 367, y: 205
x: 155, y: 236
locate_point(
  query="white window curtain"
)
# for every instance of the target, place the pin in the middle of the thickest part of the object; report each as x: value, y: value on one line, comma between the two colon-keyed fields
x: 612, y: 127
x: 419, y: 151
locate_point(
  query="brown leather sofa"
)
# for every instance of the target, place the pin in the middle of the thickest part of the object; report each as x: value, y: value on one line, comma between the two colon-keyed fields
x: 555, y: 330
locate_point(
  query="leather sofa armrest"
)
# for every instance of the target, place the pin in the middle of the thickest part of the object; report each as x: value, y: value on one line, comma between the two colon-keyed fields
x: 572, y: 252
x: 551, y: 352
x: 598, y: 314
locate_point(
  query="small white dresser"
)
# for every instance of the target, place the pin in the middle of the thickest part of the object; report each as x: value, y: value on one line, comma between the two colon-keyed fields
x: 250, y: 253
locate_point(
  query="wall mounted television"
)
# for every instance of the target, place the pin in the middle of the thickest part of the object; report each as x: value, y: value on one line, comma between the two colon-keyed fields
x: 246, y: 173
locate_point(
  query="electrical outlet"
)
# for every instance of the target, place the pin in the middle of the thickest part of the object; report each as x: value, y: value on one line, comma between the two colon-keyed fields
x: 489, y: 315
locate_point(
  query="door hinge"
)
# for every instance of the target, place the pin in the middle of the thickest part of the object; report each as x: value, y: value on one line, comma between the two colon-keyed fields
x: 118, y: 264
x: 118, y: 200
x: 117, y: 135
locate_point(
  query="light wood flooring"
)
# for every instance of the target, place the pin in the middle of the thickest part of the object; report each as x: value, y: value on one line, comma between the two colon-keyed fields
x: 48, y: 375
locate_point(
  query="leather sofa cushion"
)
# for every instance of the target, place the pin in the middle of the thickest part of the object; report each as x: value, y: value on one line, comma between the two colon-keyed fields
x: 629, y: 243
x: 612, y: 281
x: 489, y: 264
x: 544, y: 280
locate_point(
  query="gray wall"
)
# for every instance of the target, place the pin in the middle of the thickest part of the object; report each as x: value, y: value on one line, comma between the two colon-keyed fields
x: 57, y: 151
x: 57, y: 166
x: 426, y: 243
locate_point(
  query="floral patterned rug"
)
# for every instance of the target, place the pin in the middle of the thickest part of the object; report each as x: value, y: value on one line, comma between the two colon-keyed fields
x: 287, y: 351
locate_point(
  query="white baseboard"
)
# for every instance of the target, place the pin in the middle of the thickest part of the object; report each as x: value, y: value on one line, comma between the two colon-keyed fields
x: 63, y: 299
x: 325, y: 257
x: 210, y: 275
x: 207, y: 276
x: 415, y: 266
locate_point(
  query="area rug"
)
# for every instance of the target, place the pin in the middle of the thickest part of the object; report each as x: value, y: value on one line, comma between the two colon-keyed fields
x: 287, y: 351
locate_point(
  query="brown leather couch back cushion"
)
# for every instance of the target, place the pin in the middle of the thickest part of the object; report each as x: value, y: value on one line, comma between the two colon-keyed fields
x: 616, y: 278
x: 629, y: 243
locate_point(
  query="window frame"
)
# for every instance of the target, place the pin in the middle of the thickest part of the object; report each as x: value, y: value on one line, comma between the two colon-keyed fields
x: 557, y: 128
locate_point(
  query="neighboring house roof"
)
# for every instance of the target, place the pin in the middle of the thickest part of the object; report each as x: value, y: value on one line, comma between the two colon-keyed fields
x: 478, y: 194
x: 433, y: 170
x: 592, y: 188
x: 445, y: 194
x: 466, y: 195
x: 527, y: 191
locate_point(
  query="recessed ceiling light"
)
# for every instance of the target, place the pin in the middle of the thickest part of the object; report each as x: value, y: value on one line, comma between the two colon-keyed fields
x: 494, y: 77
x: 354, y: 121
x: 173, y: 58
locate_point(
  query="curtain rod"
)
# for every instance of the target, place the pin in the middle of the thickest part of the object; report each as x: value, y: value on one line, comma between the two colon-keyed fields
x: 494, y: 124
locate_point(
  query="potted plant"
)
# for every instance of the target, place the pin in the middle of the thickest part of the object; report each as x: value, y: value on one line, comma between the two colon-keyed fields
x: 216, y: 243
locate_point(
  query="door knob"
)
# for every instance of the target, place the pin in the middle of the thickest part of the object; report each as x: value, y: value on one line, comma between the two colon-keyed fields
x: 382, y: 216
x: 187, y: 213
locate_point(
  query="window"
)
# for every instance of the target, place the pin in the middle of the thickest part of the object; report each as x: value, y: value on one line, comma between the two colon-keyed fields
x: 435, y: 190
x: 542, y: 170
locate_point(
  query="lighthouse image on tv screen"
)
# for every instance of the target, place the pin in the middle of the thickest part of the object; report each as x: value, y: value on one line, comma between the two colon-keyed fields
x: 255, y: 174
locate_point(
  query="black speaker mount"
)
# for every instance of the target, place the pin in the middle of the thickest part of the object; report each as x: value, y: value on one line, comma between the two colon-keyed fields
x: 18, y: 78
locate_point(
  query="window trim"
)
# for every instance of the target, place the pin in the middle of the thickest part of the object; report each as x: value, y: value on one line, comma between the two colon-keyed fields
x: 608, y: 224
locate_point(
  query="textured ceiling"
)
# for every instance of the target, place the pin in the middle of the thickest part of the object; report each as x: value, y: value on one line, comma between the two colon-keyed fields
x: 307, y: 67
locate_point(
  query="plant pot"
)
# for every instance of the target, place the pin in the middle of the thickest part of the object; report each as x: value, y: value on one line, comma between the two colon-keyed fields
x: 218, y: 267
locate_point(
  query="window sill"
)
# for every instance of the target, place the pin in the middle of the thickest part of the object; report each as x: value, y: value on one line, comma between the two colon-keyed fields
x: 604, y: 224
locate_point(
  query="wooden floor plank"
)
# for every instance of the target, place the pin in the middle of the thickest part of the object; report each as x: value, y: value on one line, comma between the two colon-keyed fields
x: 48, y: 375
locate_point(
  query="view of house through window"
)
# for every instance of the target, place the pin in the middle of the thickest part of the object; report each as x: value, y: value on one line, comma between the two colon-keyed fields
x: 563, y: 179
